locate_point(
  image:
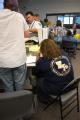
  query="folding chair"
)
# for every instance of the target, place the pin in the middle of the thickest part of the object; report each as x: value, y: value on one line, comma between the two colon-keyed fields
x: 67, y: 98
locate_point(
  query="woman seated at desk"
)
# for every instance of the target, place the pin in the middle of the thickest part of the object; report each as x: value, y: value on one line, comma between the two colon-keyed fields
x: 53, y: 69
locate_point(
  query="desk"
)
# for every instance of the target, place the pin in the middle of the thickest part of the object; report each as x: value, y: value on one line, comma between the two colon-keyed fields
x: 29, y: 65
x: 31, y: 61
x: 32, y: 50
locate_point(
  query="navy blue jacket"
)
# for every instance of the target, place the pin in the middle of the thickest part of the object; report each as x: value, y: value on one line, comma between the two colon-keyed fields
x: 56, y: 74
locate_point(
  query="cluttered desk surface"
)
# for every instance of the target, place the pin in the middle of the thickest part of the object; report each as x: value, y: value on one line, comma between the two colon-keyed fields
x: 31, y: 51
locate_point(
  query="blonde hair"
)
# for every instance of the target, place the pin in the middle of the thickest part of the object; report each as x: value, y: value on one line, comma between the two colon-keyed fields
x: 49, y: 49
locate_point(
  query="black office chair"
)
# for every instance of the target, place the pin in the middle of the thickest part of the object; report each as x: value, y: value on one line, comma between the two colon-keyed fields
x: 67, y: 98
x: 67, y: 46
x: 15, y: 105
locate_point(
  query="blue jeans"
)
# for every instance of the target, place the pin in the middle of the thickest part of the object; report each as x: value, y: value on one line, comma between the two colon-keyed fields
x: 13, y: 78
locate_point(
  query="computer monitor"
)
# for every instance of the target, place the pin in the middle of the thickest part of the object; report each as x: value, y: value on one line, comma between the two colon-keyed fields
x: 1, y: 5
x: 71, y: 20
x: 77, y: 20
x: 66, y: 20
x: 61, y: 18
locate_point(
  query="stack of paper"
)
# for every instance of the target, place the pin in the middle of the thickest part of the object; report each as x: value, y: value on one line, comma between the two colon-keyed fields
x: 31, y: 59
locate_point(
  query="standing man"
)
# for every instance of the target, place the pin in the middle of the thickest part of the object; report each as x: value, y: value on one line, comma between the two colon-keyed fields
x: 12, y: 48
x: 34, y: 26
x: 37, y: 18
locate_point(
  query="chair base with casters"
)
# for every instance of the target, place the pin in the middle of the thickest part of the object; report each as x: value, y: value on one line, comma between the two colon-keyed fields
x: 68, y: 99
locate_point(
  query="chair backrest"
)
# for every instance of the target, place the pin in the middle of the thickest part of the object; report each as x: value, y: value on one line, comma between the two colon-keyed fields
x: 66, y: 98
x: 67, y: 44
x: 15, y: 105
x: 72, y: 85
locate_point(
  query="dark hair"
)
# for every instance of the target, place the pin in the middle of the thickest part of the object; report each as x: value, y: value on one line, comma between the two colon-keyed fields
x: 58, y: 23
x: 74, y: 31
x: 29, y: 12
x: 8, y: 4
x: 49, y: 49
x: 45, y: 20
x: 69, y: 33
x: 37, y: 15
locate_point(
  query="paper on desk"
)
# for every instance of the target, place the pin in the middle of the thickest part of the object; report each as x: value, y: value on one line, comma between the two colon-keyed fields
x: 34, y: 48
x: 31, y: 59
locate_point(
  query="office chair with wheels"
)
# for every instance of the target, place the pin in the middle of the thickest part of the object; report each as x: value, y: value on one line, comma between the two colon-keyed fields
x: 16, y: 105
x: 67, y: 46
x: 67, y: 98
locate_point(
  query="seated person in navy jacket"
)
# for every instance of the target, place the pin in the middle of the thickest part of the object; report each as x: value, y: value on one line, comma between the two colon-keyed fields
x: 70, y: 37
x: 53, y: 69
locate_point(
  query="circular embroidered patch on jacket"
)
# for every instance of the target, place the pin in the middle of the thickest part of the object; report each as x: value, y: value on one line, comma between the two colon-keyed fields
x: 61, y: 66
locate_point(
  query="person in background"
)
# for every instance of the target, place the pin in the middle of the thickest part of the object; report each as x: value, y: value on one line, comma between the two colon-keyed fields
x: 74, y: 32
x: 47, y: 23
x: 70, y: 37
x: 76, y: 35
x: 74, y: 28
x: 34, y: 26
x: 12, y: 48
x: 59, y: 32
x: 53, y: 70
x: 37, y: 18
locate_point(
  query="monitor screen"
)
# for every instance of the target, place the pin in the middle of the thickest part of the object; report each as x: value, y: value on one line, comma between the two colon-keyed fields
x: 61, y: 18
x: 71, y: 20
x: 77, y: 20
x: 1, y: 5
x: 66, y: 20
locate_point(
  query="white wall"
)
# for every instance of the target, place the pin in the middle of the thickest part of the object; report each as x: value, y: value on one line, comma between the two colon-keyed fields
x: 49, y: 6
